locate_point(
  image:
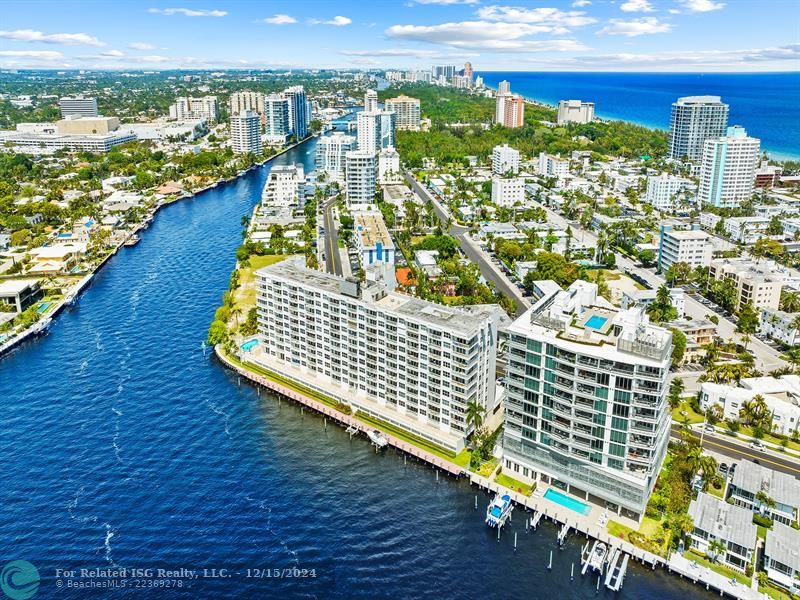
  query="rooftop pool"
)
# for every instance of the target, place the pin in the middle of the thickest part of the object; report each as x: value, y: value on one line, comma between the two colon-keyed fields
x: 568, y: 502
x: 596, y: 322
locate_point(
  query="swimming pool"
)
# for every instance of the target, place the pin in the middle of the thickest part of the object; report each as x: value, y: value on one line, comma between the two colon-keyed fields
x: 596, y: 322
x: 43, y: 307
x: 249, y: 345
x: 568, y: 502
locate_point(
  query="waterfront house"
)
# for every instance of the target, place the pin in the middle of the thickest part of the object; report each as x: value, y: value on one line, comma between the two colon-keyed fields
x: 732, y: 525
x: 782, y: 557
x: 749, y: 479
x: 20, y: 293
x: 56, y: 259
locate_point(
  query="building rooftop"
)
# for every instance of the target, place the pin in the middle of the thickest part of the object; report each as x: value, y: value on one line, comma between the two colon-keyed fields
x: 579, y: 317
x: 783, y: 545
x: 462, y: 319
x: 15, y: 286
x: 781, y: 487
x: 372, y: 229
x: 722, y: 520
x: 687, y: 234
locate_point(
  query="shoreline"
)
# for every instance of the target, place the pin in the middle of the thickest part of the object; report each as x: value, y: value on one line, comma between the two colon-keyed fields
x: 41, y: 326
x: 777, y: 156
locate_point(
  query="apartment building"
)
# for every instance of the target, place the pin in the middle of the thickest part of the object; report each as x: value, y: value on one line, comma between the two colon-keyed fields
x: 715, y: 519
x: 285, y: 187
x: 186, y: 108
x: 376, y: 130
x: 746, y: 230
x: 679, y: 245
x: 575, y: 111
x: 585, y: 404
x: 755, y: 282
x: 389, y: 166
x: 779, y: 325
x: 246, y: 132
x: 781, y: 395
x: 782, y: 557
x: 330, y: 155
x: 552, y: 166
x: 728, y: 170
x: 505, y: 159
x: 412, y: 363
x: 509, y: 110
x: 749, y: 479
x: 375, y: 247
x: 664, y: 191
x: 242, y: 101
x: 406, y: 110
x: 299, y: 116
x: 276, y: 119
x: 508, y: 191
x: 694, y: 120
x: 361, y: 174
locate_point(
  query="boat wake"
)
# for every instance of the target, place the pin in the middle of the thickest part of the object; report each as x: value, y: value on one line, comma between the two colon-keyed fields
x: 106, y: 547
x: 262, y: 504
x: 221, y: 413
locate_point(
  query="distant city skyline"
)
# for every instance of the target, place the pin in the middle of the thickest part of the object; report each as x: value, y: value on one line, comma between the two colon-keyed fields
x: 582, y: 35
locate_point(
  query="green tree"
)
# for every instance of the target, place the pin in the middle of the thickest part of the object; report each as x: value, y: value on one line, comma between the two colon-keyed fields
x: 678, y: 346
x: 661, y: 309
x: 678, y: 273
x: 748, y: 322
x: 715, y: 549
x: 676, y: 388
x: 474, y: 415
x: 217, y: 333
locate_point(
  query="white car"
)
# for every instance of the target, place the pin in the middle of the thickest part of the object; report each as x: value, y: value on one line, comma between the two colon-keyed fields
x: 711, y: 429
x: 758, y: 445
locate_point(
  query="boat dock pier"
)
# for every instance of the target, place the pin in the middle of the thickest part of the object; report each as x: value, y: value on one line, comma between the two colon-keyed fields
x: 534, y: 521
x: 617, y: 567
x: 562, y: 535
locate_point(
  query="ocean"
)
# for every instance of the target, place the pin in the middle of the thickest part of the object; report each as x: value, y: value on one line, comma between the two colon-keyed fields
x: 766, y: 104
x: 125, y: 446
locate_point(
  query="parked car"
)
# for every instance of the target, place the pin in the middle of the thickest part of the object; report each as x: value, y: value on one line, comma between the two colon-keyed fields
x: 723, y: 468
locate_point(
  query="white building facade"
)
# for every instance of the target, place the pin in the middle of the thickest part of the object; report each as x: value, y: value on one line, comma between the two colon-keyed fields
x: 575, y: 111
x: 508, y: 191
x: 246, y: 132
x: 285, y: 187
x: 694, y: 120
x: 728, y: 171
x: 361, y: 173
x: 504, y: 160
x: 330, y: 156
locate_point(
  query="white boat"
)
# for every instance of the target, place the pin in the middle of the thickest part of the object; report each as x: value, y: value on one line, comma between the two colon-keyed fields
x: 598, y: 557
x: 377, y: 438
x: 497, y: 512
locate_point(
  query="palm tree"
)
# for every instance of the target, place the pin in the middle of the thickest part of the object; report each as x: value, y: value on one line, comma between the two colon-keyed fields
x: 236, y: 312
x: 474, y: 415
x: 765, y: 501
x: 715, y: 548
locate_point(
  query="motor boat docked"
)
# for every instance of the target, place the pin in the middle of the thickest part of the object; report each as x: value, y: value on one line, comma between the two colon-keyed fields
x: 597, y: 559
x: 498, y: 511
x: 378, y: 439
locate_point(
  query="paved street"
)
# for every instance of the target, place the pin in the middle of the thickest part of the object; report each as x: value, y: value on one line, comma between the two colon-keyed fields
x: 333, y: 260
x: 488, y: 269
x: 739, y: 450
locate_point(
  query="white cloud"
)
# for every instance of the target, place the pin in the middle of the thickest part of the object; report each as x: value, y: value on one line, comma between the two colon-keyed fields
x: 280, y: 19
x: 581, y: 3
x: 187, y: 12
x: 674, y: 11
x: 694, y: 58
x: 112, y: 54
x: 337, y: 21
x: 544, y: 16
x: 636, y: 27
x: 34, y: 54
x: 446, y: 2
x: 66, y: 39
x: 701, y: 5
x: 466, y: 33
x: 141, y: 46
x: 366, y: 62
x: 636, y: 6
x: 415, y: 52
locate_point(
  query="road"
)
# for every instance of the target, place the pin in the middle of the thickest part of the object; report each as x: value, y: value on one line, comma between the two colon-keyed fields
x: 767, y: 358
x: 488, y: 269
x: 333, y: 260
x: 737, y: 451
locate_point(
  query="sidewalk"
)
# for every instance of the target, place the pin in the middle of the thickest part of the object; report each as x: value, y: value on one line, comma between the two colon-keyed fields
x: 711, y: 579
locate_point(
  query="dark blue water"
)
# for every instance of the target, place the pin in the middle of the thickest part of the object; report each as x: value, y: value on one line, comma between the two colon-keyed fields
x: 123, y: 446
x: 766, y: 104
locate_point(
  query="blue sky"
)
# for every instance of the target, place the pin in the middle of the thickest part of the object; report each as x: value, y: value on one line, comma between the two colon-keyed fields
x: 580, y: 35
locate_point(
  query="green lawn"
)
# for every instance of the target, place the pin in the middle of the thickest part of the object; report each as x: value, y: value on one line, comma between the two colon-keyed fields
x: 775, y: 593
x: 648, y: 529
x: 718, y: 492
x: 487, y: 468
x: 692, y: 416
x: 717, y: 568
x: 608, y: 275
x: 246, y: 292
x: 770, y: 438
x: 461, y: 459
x: 513, y: 484
x: 761, y: 532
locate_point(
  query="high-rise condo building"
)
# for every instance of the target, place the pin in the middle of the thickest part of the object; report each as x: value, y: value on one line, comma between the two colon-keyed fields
x: 508, y: 191
x: 690, y: 246
x: 242, y: 101
x: 446, y: 71
x: 728, y: 171
x: 504, y: 87
x: 509, y: 110
x: 375, y: 130
x: 77, y: 106
x: 330, y: 156
x: 246, y: 132
x: 664, y: 189
x: 371, y: 101
x: 575, y: 111
x: 586, y: 408
x: 411, y: 363
x: 285, y: 187
x: 694, y: 120
x: 298, y: 111
x: 186, y: 107
x: 276, y: 119
x: 361, y: 172
x: 468, y: 70
x: 406, y: 110
x: 505, y: 159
